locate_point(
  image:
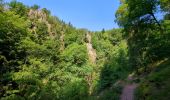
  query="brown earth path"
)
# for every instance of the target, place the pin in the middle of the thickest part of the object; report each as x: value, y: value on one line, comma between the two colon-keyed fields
x: 128, y: 92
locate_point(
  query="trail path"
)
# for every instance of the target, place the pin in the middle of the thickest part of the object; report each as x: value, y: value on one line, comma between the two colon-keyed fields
x: 129, y: 90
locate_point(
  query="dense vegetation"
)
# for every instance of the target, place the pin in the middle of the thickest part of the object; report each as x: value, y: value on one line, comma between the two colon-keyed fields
x: 42, y: 57
x: 148, y: 44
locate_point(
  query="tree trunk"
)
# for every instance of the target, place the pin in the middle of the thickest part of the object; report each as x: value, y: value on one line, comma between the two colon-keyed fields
x: 157, y: 22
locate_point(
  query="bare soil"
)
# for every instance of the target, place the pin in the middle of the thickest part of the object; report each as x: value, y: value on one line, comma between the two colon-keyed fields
x: 128, y: 92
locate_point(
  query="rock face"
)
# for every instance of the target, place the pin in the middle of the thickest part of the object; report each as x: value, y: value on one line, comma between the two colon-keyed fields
x: 62, y: 41
x: 42, y: 17
x: 91, y: 51
x: 92, y: 58
x: 37, y: 14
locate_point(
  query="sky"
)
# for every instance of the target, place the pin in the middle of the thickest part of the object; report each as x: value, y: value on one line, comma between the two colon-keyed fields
x: 90, y: 14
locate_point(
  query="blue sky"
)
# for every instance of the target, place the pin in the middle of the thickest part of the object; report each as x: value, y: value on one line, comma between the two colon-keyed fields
x: 91, y: 14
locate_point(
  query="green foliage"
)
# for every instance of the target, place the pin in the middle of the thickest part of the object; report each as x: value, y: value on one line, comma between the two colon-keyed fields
x: 75, y: 54
x: 148, y: 42
x: 114, y: 69
x: 111, y: 93
x: 13, y: 29
x: 33, y: 67
x: 35, y: 7
x: 18, y: 7
x: 112, y: 62
x: 76, y: 90
x: 73, y: 35
x: 156, y: 85
x: 143, y: 31
x: 42, y: 31
x: 42, y: 57
x: 75, y: 60
x: 122, y: 13
x: 2, y: 5
x: 165, y: 5
x: 47, y: 12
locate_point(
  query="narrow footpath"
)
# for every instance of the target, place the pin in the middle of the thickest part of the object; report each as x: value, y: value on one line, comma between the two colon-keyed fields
x: 129, y: 89
x: 128, y: 92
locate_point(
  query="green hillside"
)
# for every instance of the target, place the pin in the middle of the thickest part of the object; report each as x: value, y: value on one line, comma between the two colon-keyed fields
x: 44, y: 58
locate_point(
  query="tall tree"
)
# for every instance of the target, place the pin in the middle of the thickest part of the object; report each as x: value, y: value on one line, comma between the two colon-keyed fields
x: 137, y: 17
x: 18, y: 7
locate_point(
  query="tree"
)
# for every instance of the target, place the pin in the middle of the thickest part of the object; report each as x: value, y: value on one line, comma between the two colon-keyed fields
x: 35, y: 7
x: 165, y: 6
x: 139, y: 23
x: 46, y: 11
x: 103, y: 30
x: 132, y: 12
x: 1, y: 5
x: 18, y: 8
x: 13, y: 30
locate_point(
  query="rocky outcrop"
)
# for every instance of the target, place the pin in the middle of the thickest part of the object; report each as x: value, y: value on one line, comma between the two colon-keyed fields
x: 37, y: 14
x: 41, y: 17
x: 92, y: 59
x: 91, y: 51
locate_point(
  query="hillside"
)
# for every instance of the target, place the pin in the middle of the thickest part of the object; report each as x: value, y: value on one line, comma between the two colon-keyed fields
x: 155, y: 86
x: 42, y: 57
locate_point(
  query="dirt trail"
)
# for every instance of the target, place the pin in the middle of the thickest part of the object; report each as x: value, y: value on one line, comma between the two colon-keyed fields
x: 128, y: 92
x: 129, y: 89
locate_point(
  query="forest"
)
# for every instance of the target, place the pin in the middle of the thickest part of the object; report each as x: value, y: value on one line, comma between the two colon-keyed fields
x: 45, y: 58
